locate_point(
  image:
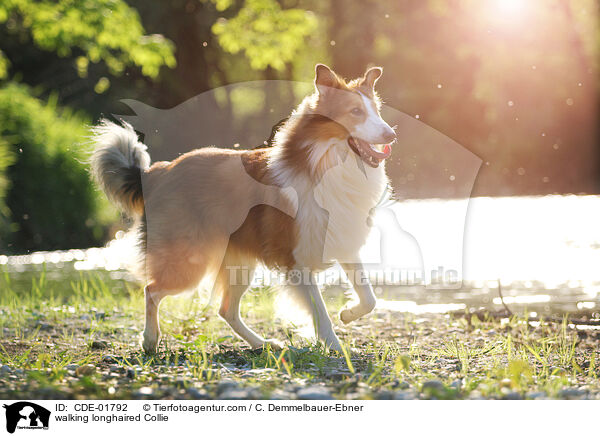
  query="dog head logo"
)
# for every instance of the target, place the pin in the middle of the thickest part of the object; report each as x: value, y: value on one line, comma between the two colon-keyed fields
x: 26, y: 415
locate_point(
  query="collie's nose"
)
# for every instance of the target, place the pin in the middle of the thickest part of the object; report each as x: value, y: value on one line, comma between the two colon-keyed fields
x: 388, y: 135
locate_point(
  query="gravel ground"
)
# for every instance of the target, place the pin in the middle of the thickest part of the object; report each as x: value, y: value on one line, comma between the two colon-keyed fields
x: 89, y: 348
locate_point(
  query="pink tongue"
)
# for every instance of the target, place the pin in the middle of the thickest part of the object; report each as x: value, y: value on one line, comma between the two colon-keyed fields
x: 387, y: 148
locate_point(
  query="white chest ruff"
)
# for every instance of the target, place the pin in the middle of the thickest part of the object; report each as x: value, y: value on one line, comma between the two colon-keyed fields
x: 333, y: 215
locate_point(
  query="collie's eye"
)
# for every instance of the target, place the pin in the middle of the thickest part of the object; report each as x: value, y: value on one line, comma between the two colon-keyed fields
x: 356, y: 112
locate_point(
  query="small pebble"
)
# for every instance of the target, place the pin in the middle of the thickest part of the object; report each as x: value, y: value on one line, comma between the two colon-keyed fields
x: 145, y: 391
x: 505, y: 383
x: 403, y: 385
x: 404, y: 396
x: 235, y: 394
x: 571, y: 393
x: 435, y: 385
x: 44, y: 326
x: 384, y: 395
x: 457, y: 384
x: 512, y: 396
x: 225, y: 385
x: 336, y: 375
x: 107, y: 358
x: 98, y: 345
x: 85, y: 370
x: 314, y: 393
x: 198, y: 394
x: 280, y: 394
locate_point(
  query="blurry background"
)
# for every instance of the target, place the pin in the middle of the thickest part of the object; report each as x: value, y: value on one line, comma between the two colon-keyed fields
x: 513, y: 81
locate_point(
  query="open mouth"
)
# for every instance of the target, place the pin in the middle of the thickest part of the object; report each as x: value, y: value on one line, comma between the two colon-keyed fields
x: 371, y: 154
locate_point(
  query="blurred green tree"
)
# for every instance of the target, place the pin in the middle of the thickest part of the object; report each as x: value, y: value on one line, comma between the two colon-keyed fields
x: 104, y: 30
x: 46, y: 198
x: 52, y: 204
x: 268, y: 35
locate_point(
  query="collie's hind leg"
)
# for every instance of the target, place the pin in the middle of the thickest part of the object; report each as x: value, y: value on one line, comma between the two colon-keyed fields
x: 151, y: 334
x: 360, y: 281
x: 233, y: 288
x: 172, y: 269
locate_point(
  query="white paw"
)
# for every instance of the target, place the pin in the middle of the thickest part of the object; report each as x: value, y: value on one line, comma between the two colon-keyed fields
x: 274, y: 344
x: 334, y: 345
x: 331, y: 341
x: 347, y: 316
x: 150, y: 342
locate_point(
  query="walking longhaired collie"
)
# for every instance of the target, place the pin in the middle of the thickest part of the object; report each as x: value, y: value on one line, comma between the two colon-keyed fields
x: 330, y: 152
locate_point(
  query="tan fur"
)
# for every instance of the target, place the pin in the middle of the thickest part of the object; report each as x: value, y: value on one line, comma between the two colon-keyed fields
x: 180, y: 246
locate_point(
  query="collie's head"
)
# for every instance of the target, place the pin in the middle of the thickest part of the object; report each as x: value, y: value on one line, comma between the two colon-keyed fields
x: 339, y: 117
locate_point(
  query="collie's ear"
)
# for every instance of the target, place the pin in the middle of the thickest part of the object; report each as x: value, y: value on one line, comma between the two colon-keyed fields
x: 371, y: 76
x: 325, y: 79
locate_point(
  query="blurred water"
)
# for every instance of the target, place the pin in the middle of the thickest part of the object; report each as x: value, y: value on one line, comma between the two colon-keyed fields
x: 543, y: 251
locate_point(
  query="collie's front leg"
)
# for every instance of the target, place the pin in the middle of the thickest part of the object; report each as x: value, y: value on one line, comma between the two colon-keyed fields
x: 366, y: 298
x: 311, y: 298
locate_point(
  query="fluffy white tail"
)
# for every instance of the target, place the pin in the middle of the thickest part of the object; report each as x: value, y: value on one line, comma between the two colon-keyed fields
x: 117, y: 163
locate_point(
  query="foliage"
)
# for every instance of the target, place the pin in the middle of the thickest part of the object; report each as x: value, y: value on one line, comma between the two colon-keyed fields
x: 6, y: 159
x: 46, y: 198
x: 268, y: 35
x: 3, y: 66
x: 51, y: 200
x: 104, y: 30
